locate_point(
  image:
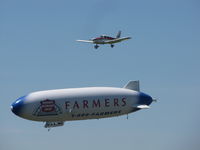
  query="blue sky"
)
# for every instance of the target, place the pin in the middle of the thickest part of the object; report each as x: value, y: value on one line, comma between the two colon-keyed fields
x: 39, y: 52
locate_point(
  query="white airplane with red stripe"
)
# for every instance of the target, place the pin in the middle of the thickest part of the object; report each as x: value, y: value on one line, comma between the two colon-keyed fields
x: 104, y: 39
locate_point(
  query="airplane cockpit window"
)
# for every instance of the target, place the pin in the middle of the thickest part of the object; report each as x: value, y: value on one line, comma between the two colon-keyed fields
x: 103, y: 36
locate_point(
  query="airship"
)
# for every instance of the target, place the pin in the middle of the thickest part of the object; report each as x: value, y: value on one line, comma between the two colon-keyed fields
x: 54, y: 107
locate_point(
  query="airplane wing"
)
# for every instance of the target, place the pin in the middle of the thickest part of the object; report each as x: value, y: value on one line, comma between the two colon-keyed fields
x: 86, y: 41
x: 117, y: 40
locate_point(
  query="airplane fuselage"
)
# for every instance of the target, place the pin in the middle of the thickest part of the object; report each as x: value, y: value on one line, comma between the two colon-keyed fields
x: 102, y: 39
x: 109, y: 41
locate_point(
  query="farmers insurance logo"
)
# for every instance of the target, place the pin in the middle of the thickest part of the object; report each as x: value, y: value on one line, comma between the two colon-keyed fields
x: 47, y: 108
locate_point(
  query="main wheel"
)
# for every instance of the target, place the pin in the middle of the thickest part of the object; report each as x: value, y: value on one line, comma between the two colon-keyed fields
x: 96, y: 46
x: 112, y: 45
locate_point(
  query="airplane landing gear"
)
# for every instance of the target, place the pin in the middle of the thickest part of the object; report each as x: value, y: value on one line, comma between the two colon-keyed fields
x: 112, y: 45
x: 96, y: 46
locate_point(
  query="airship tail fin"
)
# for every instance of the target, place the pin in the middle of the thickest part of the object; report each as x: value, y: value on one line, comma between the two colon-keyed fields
x: 133, y: 85
x: 143, y: 107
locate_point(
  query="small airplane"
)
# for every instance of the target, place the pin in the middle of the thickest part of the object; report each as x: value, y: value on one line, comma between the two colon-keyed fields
x: 57, y: 106
x: 103, y: 39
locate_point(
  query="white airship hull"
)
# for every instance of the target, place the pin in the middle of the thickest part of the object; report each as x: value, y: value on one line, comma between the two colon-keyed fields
x: 80, y: 103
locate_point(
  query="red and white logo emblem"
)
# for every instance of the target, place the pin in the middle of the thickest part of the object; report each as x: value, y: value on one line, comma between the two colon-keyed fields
x: 47, y: 108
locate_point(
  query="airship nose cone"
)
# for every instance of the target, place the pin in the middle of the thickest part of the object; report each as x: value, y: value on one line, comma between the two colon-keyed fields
x: 145, y: 99
x: 16, y: 107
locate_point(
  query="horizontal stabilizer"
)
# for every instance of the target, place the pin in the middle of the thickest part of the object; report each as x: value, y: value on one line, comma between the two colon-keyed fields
x: 133, y: 85
x: 143, y: 106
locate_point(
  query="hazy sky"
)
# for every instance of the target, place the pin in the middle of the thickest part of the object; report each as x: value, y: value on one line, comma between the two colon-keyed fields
x: 38, y: 51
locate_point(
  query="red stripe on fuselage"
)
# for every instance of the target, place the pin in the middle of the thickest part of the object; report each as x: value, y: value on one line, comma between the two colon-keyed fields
x: 104, y: 38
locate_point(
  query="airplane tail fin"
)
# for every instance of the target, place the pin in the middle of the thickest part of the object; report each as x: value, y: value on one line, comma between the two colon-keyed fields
x: 118, y: 34
x: 133, y: 85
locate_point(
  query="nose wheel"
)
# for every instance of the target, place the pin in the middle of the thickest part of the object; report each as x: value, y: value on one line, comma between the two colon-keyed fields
x: 96, y: 46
